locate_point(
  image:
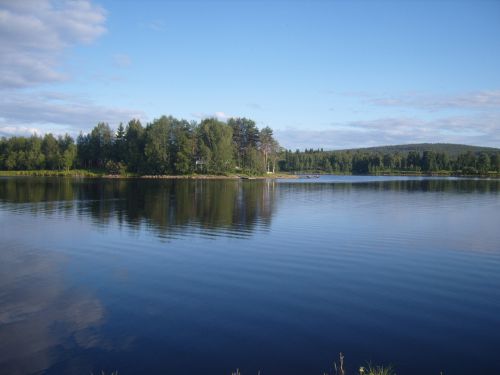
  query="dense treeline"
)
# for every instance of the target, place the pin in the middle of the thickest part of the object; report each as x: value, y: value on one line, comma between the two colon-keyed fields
x: 165, y: 146
x: 451, y: 149
x: 363, y: 162
x: 171, y: 146
x: 48, y: 152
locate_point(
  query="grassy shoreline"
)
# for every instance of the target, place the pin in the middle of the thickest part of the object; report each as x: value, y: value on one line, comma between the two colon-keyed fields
x: 404, y: 173
x: 85, y: 173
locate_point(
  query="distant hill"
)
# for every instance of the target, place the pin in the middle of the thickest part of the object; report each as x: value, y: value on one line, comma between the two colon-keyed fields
x: 450, y: 148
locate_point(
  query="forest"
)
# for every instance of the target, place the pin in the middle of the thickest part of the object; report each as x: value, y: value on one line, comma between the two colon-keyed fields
x: 166, y: 146
x: 365, y: 161
x: 169, y: 146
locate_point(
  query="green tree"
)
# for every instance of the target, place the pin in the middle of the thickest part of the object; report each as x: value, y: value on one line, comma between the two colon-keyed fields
x: 483, y: 163
x: 3, y: 152
x: 183, y: 147
x: 134, y: 139
x: 84, y: 153
x: 360, y: 163
x: 101, y: 144
x: 442, y: 161
x: 245, y: 140
x: 67, y: 152
x: 413, y: 160
x: 50, y: 149
x: 35, y: 158
x: 388, y: 161
x: 328, y: 166
x: 11, y: 160
x: 119, y: 146
x: 157, y: 146
x: 495, y: 161
x: 269, y: 148
x: 429, y: 161
x: 215, y: 146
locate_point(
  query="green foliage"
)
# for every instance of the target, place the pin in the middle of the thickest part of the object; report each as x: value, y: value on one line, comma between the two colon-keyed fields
x: 183, y: 145
x: 37, y: 153
x: 451, y: 149
x: 171, y: 146
x: 50, y: 149
x: 67, y: 152
x: 119, y: 146
x: 392, y: 160
x: 96, y: 148
x: 245, y: 141
x: 69, y: 156
x: 215, y: 146
x: 115, y: 167
x: 53, y: 173
x: 157, y: 146
x: 134, y: 141
x: 495, y: 162
x: 101, y: 144
x: 254, y: 162
x: 483, y: 162
x: 165, y: 146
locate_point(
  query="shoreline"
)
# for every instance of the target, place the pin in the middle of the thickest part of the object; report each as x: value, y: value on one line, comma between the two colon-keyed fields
x: 208, y: 177
x: 403, y: 174
x: 96, y: 174
x: 275, y: 176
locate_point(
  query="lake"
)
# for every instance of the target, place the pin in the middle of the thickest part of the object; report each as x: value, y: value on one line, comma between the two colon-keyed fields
x: 204, y: 276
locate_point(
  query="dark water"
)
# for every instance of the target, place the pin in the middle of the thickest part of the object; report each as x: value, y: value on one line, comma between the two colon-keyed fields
x: 185, y: 277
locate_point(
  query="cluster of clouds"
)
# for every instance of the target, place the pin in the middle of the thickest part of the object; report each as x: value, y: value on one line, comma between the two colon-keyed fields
x: 35, y: 36
x: 65, y: 113
x: 483, y: 131
x: 35, y: 33
x: 35, y: 300
x: 477, y: 123
x: 480, y: 100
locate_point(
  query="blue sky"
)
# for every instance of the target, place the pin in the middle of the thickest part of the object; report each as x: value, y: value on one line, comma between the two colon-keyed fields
x: 331, y: 74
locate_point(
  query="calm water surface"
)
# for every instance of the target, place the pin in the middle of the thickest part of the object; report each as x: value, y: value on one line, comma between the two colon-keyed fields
x: 184, y: 277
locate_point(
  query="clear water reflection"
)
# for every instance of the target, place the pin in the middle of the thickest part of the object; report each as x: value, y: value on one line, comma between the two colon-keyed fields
x: 206, y: 276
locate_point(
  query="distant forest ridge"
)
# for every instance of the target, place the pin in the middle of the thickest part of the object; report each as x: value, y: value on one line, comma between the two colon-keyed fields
x: 169, y: 146
x: 452, y: 149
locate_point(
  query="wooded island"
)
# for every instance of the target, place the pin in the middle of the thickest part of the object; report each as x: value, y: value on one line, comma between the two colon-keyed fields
x: 168, y: 146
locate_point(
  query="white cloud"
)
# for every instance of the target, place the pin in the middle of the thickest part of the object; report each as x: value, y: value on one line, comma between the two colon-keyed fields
x: 33, y: 35
x: 221, y: 116
x: 58, y: 113
x: 476, y: 121
x: 7, y: 131
x: 480, y: 100
x: 218, y: 115
x: 482, y: 129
